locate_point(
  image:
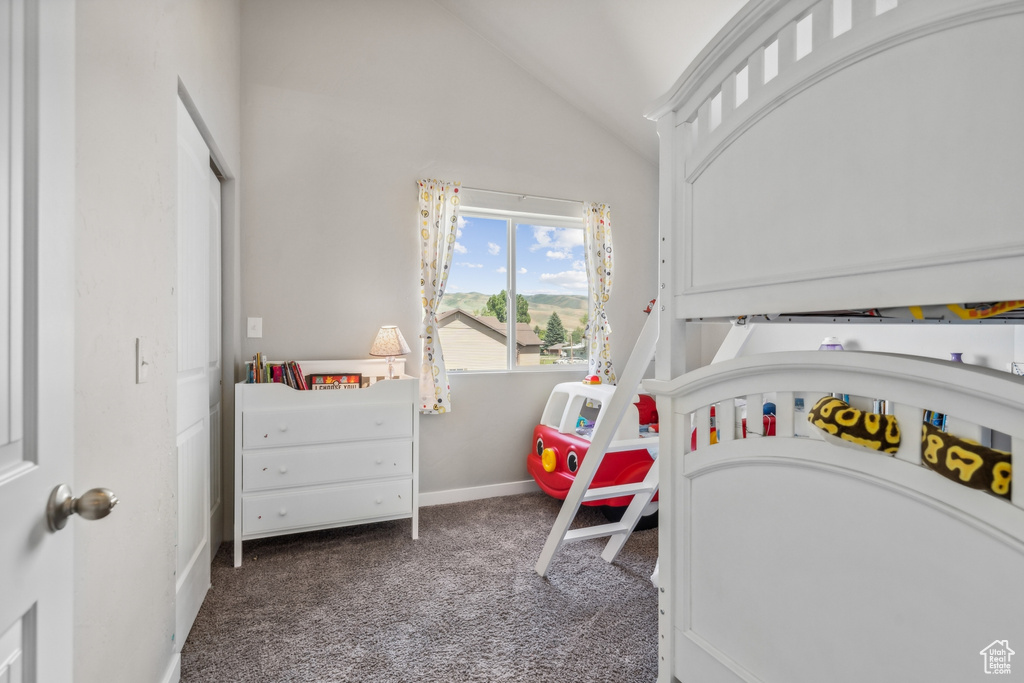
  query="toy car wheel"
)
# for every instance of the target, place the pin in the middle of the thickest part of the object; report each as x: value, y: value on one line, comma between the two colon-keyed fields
x: 613, y: 513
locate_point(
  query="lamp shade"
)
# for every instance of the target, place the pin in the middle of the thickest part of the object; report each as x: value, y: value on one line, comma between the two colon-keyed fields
x: 389, y: 342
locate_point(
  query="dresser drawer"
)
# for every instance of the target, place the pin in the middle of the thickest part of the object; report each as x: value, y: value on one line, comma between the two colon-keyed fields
x: 335, y: 463
x: 269, y: 428
x: 325, y: 506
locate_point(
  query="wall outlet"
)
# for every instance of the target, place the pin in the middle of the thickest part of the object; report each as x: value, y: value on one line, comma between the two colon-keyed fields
x: 254, y: 328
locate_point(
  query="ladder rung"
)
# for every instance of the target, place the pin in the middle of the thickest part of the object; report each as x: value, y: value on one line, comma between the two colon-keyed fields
x: 616, y: 491
x: 640, y: 444
x: 598, y: 531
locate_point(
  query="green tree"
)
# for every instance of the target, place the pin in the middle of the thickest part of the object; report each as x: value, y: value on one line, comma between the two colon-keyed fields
x: 522, y: 309
x: 539, y: 332
x: 498, y: 308
x: 555, y: 333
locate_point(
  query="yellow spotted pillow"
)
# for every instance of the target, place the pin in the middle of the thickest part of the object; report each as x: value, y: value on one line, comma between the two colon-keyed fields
x: 836, y: 417
x: 966, y: 462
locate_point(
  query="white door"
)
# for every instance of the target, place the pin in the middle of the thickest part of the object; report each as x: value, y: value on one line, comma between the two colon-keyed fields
x: 37, y: 167
x: 193, y: 551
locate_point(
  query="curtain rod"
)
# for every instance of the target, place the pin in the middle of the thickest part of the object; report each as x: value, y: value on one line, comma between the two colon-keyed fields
x: 524, y: 196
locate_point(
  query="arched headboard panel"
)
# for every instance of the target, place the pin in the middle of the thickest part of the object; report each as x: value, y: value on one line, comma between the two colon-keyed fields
x: 878, y: 166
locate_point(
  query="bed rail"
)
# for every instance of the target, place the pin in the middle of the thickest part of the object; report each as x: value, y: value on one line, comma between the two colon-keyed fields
x: 910, y: 385
x: 763, y: 536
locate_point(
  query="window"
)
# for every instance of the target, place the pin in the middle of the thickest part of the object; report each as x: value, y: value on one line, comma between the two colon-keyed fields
x: 517, y: 288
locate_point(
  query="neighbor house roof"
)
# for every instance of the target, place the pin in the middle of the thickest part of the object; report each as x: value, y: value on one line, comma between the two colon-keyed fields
x: 525, y: 336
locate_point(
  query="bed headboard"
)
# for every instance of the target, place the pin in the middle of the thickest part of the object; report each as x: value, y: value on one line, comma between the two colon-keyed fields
x: 881, y: 164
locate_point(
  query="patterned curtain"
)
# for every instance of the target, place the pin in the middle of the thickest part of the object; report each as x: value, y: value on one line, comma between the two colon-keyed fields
x: 597, y: 251
x: 439, y: 217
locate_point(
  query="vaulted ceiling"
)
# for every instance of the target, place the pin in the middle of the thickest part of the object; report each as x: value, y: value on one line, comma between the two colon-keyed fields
x: 610, y: 58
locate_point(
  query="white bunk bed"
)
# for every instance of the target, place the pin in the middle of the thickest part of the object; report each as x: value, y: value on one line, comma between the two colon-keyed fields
x: 881, y: 165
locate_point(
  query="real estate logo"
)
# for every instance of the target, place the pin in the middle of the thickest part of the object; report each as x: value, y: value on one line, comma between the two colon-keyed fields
x: 997, y: 657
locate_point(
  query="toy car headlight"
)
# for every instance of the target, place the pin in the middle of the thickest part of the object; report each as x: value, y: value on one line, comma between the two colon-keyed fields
x: 540, y: 446
x: 548, y: 459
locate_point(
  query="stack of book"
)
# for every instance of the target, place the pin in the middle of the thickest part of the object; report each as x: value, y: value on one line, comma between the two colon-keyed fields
x: 261, y: 371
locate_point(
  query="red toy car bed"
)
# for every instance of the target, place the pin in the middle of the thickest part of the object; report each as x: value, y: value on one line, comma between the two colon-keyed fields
x: 561, y: 441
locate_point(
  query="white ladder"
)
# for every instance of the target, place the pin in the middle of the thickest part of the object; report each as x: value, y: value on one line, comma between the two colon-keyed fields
x: 601, y: 443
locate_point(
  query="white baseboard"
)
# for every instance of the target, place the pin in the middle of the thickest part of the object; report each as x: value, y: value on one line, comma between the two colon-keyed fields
x: 477, y: 492
x: 173, y: 674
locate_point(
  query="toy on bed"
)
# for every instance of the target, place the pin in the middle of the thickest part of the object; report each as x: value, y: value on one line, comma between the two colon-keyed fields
x: 966, y: 462
x: 838, y: 419
x: 961, y: 460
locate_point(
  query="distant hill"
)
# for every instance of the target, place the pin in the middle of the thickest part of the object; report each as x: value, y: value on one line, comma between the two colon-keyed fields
x: 467, y: 301
x: 559, y: 301
x: 570, y: 308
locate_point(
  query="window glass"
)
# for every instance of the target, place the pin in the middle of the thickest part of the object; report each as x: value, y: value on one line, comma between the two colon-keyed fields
x: 473, y: 335
x: 551, y: 279
x: 540, y: 268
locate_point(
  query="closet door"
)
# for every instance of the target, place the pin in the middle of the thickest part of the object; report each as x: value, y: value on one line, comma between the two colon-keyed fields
x: 193, y: 402
x: 214, y: 365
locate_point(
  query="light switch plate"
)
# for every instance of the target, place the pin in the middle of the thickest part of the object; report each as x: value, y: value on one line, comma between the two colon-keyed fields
x: 141, y: 360
x: 254, y: 328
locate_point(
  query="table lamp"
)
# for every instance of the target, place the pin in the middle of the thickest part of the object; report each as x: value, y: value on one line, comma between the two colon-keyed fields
x: 389, y: 343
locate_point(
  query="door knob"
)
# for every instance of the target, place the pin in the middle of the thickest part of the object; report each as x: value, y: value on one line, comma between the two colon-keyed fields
x: 93, y: 504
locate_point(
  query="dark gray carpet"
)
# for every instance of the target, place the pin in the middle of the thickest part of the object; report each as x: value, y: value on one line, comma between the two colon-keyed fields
x: 462, y: 603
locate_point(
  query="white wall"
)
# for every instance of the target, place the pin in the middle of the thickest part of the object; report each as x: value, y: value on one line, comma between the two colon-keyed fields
x: 345, y: 106
x: 130, y: 56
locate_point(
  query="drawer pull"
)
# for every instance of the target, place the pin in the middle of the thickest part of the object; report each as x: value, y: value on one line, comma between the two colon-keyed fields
x: 284, y: 469
x: 283, y: 427
x: 380, y: 421
x: 283, y: 512
x: 379, y: 461
x: 379, y: 500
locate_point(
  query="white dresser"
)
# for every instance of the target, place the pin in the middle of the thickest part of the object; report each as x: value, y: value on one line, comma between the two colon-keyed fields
x: 308, y: 460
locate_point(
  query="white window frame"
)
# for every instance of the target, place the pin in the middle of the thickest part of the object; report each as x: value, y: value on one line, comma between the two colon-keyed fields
x: 518, y: 209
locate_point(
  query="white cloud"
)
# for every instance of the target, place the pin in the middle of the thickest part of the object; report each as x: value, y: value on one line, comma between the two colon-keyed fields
x: 463, y: 264
x: 579, y: 265
x: 559, y: 255
x: 459, y: 226
x: 503, y: 269
x: 571, y: 280
x: 560, y: 239
x: 459, y: 248
x: 493, y: 249
x: 522, y: 271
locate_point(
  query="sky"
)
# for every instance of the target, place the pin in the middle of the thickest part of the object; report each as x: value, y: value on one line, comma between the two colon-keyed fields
x: 548, y: 260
